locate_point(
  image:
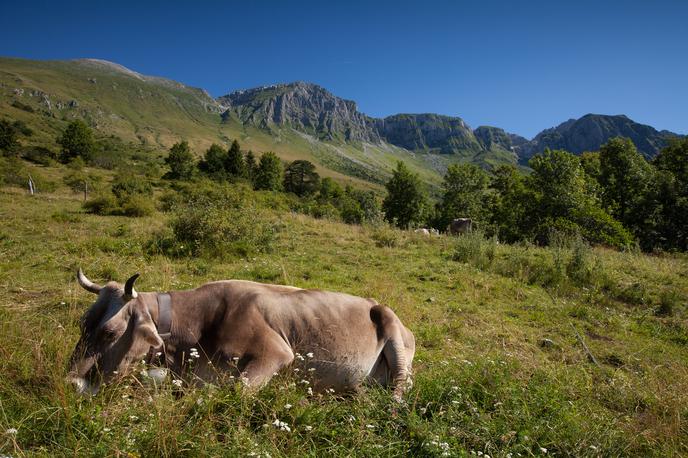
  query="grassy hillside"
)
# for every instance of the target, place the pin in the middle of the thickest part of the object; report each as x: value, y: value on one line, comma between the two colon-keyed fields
x: 153, y: 113
x: 499, y: 367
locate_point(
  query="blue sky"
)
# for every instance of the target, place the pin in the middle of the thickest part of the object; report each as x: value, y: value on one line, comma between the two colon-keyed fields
x: 522, y: 66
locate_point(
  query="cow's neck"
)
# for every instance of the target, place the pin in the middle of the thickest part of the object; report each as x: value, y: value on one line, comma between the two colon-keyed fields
x: 160, y: 308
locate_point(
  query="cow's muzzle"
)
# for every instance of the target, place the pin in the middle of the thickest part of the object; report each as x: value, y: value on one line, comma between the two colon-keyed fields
x: 83, y: 386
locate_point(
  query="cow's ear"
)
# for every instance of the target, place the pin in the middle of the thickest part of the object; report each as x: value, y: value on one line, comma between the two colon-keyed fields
x: 148, y: 332
x: 145, y: 328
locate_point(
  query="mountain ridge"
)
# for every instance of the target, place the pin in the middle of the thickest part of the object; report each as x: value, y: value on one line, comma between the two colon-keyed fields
x: 298, y: 120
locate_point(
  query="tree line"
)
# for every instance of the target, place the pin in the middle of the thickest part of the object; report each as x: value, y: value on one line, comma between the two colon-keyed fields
x: 613, y: 197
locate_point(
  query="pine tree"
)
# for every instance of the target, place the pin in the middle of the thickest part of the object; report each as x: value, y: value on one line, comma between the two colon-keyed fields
x: 301, y: 178
x: 251, y: 166
x: 213, y: 163
x: 269, y: 173
x: 405, y: 203
x: 180, y: 161
x: 234, y: 165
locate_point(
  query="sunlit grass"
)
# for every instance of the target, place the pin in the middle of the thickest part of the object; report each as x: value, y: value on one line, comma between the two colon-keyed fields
x: 485, y: 379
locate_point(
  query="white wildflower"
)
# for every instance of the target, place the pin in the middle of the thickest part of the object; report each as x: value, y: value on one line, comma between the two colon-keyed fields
x: 309, y: 354
x: 299, y: 357
x: 370, y: 426
x: 282, y: 426
x: 287, y: 406
x: 106, y: 430
x: 133, y: 417
x: 310, y: 391
x: 311, y: 369
x: 177, y: 382
x: 309, y: 428
x: 11, y: 431
x: 543, y: 450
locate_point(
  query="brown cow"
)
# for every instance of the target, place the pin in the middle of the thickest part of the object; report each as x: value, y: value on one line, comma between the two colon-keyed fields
x: 250, y: 329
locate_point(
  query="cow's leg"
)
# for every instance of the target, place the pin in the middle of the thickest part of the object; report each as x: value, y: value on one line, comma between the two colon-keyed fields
x: 273, y: 355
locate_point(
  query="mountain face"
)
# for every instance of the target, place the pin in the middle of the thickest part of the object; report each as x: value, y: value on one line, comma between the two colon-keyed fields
x: 310, y: 109
x: 592, y: 131
x: 305, y: 107
x: 428, y: 132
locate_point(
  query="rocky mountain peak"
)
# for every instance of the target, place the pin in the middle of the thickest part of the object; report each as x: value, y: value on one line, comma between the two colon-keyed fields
x: 303, y: 106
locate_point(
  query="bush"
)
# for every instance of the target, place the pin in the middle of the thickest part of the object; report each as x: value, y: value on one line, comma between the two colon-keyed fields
x: 39, y: 155
x: 79, y: 182
x: 473, y: 248
x: 102, y: 204
x: 669, y: 301
x: 13, y: 172
x: 214, y: 228
x: 126, y: 185
x: 385, y: 236
x: 136, y: 206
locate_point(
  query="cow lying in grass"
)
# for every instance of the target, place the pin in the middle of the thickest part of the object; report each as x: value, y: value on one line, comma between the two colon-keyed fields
x: 249, y: 329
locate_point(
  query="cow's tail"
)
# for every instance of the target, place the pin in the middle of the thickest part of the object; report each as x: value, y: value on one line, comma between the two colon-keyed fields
x: 398, y: 349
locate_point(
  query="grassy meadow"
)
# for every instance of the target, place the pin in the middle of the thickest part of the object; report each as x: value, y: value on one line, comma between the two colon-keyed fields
x: 500, y: 368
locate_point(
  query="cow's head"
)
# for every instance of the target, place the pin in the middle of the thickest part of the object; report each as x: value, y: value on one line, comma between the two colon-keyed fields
x: 115, y: 331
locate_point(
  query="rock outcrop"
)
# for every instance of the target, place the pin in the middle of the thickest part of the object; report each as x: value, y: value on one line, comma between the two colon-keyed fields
x: 428, y: 132
x: 305, y: 107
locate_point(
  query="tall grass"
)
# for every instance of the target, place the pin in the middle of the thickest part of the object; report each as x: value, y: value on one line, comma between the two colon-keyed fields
x: 479, y: 310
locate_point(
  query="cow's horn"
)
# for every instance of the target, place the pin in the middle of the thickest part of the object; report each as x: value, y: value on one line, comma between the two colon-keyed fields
x: 129, y: 291
x: 87, y: 284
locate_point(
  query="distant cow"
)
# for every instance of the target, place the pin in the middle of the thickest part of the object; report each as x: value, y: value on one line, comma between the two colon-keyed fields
x: 460, y: 226
x: 422, y: 230
x: 250, y: 330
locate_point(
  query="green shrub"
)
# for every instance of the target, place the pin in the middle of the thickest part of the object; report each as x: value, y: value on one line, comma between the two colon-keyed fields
x: 385, y: 236
x: 472, y: 248
x: 79, y: 181
x: 669, y: 301
x: 13, y: 172
x: 137, y: 206
x: 39, y: 155
x: 102, y: 204
x: 126, y: 185
x: 215, y: 228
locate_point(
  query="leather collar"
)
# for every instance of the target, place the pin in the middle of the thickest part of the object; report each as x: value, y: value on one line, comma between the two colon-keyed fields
x: 164, y: 315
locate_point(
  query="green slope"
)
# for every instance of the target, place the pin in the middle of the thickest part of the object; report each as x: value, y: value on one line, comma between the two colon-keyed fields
x: 156, y: 113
